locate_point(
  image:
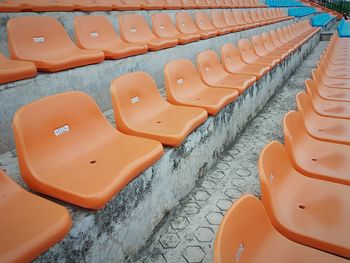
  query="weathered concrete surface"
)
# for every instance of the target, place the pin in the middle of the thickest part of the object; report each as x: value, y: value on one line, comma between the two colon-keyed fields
x: 116, y: 232
x: 187, y: 234
x: 95, y: 79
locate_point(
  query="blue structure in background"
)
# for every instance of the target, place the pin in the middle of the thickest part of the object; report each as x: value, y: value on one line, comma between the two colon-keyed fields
x: 283, y: 3
x: 344, y: 28
x: 321, y: 20
x: 301, y: 11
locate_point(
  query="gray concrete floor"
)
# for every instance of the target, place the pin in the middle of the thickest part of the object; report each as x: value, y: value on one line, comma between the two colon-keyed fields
x: 187, y: 233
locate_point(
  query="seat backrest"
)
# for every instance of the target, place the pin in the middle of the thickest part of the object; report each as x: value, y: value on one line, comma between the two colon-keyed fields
x: 311, y: 88
x: 275, y: 39
x: 188, y: 3
x: 181, y: 79
x: 229, y: 18
x: 268, y: 41
x: 246, y: 50
x: 201, y: 3
x: 316, y: 76
x: 61, y: 131
x: 254, y: 15
x: 239, y: 17
x: 185, y: 24
x: 134, y: 28
x: 32, y: 36
x: 242, y: 231
x: 135, y: 97
x: 266, y: 13
x: 258, y: 45
x: 260, y: 15
x: 203, y: 21
x: 246, y: 17
x: 228, y: 3
x: 209, y: 67
x: 217, y: 17
x: 92, y: 32
x: 231, y: 58
x: 304, y: 104
x: 173, y: 3
x: 162, y: 25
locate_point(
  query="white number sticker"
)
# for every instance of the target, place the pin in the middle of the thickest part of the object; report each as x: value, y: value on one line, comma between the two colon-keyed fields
x: 135, y: 99
x: 61, y: 130
x: 133, y: 30
x: 180, y: 81
x: 39, y: 39
x: 94, y: 34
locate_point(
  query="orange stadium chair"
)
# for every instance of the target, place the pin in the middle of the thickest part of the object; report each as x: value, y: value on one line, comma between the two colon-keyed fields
x: 140, y: 110
x: 319, y: 220
x: 189, y: 4
x: 318, y: 159
x: 12, y: 70
x: 204, y: 23
x: 69, y: 150
x: 238, y: 14
x: 231, y: 21
x: 43, y: 40
x: 246, y: 235
x: 333, y: 82
x: 162, y: 26
x: 134, y: 29
x: 218, y: 21
x: 127, y: 5
x: 233, y: 63
x: 42, y: 5
x: 97, y: 33
x: 213, y: 73
x: 248, y: 20
x: 328, y: 108
x: 269, y: 45
x: 10, y: 7
x: 172, y: 4
x: 328, y: 93
x: 184, y: 87
x: 320, y: 127
x: 152, y: 4
x: 185, y: 25
x: 29, y: 224
x: 88, y: 5
x: 249, y: 56
x: 261, y: 51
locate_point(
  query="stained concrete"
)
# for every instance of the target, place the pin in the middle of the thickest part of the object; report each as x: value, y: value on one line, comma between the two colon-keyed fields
x: 95, y: 79
x: 115, y: 233
x: 187, y: 234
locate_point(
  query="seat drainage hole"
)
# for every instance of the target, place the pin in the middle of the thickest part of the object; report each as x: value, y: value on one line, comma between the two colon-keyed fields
x: 301, y: 206
x: 320, y: 130
x: 93, y: 162
x: 159, y: 122
x: 198, y: 99
x: 313, y: 159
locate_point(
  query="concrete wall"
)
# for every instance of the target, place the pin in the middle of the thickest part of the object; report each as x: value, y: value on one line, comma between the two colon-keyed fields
x: 116, y: 232
x: 95, y: 79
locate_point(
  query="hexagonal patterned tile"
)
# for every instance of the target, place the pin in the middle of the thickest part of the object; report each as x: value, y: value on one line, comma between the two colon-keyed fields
x: 224, y: 204
x: 179, y: 223
x: 204, y: 234
x: 201, y: 195
x: 214, y: 218
x: 169, y: 240
x: 191, y: 208
x: 193, y: 254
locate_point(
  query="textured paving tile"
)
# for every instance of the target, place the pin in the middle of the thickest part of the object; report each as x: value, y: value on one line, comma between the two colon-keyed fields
x: 187, y: 234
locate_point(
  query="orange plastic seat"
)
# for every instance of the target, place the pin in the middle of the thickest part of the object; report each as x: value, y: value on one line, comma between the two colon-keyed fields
x: 228, y: 4
x: 204, y: 24
x: 12, y: 70
x: 238, y: 14
x: 328, y: 108
x: 140, y: 110
x: 185, y: 25
x: 333, y: 82
x: 218, y: 20
x: 42, y: 5
x: 162, y: 26
x: 200, y: 4
x: 233, y: 63
x: 127, y: 5
x: 279, y: 44
x: 71, y: 152
x: 320, y: 127
x: 88, y: 5
x: 231, y: 21
x: 248, y: 19
x: 249, y: 56
x: 134, y: 29
x: 9, y: 7
x: 245, y: 235
x: 29, y: 224
x: 184, y: 87
x: 269, y: 45
x: 326, y: 92
x: 43, y: 40
x: 311, y: 212
x: 256, y: 19
x: 213, y: 73
x: 152, y: 4
x: 96, y: 32
x: 335, y: 71
x: 172, y: 4
x: 189, y: 4
x: 261, y: 51
x: 315, y: 158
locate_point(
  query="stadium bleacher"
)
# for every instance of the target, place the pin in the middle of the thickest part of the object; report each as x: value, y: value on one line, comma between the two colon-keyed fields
x: 113, y: 116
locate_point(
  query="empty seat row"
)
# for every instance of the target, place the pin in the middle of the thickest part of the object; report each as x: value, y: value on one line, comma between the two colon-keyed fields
x: 310, y: 150
x: 43, y: 41
x: 321, y: 20
x: 72, y: 142
x: 344, y: 28
x: 284, y: 3
x: 120, y: 5
x: 315, y: 159
x: 301, y: 11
